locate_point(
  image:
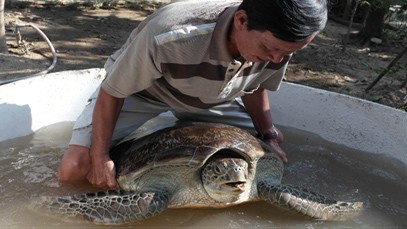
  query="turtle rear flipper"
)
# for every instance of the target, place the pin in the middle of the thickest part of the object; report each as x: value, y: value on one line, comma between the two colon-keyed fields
x: 307, y: 202
x: 111, y: 207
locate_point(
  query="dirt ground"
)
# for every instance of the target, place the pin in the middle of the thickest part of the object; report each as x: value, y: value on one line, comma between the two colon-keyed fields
x: 84, y: 37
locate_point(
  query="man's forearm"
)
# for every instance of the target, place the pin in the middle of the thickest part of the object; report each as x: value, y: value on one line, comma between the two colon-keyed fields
x: 105, y: 115
x: 258, y: 107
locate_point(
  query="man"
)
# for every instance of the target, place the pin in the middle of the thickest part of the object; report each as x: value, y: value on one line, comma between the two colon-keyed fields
x: 208, y: 61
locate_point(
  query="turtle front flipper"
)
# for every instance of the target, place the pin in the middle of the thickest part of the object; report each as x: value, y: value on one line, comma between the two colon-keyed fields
x: 307, y: 202
x: 111, y: 207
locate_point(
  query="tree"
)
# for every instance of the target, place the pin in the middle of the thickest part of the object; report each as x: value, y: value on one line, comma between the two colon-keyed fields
x: 345, y: 41
x: 347, y: 10
x: 3, y: 44
x: 376, y: 19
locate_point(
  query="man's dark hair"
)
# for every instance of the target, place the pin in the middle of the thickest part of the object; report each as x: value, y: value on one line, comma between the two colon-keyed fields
x: 288, y: 20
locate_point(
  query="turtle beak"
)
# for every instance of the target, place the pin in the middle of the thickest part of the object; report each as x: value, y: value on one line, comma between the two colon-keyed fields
x: 238, y: 186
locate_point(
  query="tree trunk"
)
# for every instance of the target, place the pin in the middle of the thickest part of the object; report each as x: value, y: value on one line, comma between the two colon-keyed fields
x: 3, y: 44
x: 347, y: 9
x: 346, y: 39
x: 375, y: 22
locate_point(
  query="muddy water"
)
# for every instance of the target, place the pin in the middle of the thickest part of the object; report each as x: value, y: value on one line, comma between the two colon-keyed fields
x: 27, y: 169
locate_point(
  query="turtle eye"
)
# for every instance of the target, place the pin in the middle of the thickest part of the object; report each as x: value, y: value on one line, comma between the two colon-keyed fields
x: 217, y: 170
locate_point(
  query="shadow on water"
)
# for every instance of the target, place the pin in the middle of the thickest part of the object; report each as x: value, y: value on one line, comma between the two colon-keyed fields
x: 344, y: 173
x: 27, y: 170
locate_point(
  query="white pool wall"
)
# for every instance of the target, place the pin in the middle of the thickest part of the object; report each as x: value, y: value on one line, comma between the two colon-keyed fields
x: 342, y: 119
x: 28, y: 105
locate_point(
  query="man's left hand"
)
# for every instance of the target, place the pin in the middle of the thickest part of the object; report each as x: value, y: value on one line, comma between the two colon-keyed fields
x: 275, y: 144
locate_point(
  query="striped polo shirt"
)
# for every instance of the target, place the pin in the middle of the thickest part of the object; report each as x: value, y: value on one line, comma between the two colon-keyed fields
x: 179, y: 56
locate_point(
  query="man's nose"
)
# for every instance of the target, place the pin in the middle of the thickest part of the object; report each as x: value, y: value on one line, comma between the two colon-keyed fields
x: 275, y: 57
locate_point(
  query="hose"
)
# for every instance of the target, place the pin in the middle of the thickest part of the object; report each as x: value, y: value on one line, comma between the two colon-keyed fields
x: 43, y: 36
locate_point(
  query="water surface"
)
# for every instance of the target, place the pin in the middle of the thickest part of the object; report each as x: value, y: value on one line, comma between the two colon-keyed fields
x: 28, y: 164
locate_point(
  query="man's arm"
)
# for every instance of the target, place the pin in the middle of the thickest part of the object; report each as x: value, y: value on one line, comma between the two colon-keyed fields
x: 258, y: 107
x: 105, y: 115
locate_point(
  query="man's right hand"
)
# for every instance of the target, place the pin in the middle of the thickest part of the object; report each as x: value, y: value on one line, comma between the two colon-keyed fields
x: 105, y: 114
x: 103, y: 174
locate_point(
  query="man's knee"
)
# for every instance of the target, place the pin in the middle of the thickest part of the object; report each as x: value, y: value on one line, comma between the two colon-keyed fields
x: 75, y: 164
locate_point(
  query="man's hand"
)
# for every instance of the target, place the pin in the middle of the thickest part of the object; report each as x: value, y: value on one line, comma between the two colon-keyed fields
x: 276, y: 146
x: 274, y: 140
x: 258, y: 107
x: 103, y: 174
x: 105, y: 114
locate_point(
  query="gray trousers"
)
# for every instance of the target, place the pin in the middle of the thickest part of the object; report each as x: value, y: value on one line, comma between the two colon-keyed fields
x: 137, y: 110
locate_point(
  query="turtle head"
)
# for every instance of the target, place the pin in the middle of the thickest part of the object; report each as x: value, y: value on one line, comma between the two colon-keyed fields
x: 225, y: 178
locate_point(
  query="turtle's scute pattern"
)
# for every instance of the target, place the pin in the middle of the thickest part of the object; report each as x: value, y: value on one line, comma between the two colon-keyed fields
x: 185, y: 144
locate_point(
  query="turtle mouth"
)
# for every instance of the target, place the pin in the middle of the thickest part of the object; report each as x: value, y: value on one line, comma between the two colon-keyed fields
x: 236, y: 186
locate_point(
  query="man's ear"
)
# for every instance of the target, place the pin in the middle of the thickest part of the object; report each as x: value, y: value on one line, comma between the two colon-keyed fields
x: 240, y: 20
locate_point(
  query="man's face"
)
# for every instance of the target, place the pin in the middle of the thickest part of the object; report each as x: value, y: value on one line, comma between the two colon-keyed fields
x: 258, y: 46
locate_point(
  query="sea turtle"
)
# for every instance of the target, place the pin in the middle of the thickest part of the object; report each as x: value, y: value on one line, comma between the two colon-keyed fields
x: 194, y: 165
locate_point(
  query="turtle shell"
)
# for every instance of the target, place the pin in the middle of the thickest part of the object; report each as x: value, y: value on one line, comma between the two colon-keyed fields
x: 184, y: 144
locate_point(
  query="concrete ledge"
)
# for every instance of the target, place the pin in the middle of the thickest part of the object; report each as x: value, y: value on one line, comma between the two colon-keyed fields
x: 28, y: 105
x: 342, y: 119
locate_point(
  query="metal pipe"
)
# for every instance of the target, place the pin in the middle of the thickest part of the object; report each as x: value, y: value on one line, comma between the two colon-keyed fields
x: 54, y: 55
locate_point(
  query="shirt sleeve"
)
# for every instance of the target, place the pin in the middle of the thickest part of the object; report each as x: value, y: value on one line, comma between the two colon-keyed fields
x: 134, y: 67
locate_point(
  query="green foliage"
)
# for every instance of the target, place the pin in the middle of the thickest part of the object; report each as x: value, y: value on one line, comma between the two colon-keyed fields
x: 379, y: 4
x: 395, y: 34
x: 397, y: 21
